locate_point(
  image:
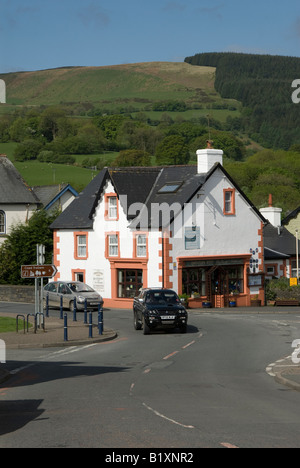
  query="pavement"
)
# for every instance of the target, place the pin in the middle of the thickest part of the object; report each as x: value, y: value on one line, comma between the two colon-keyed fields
x: 52, y: 337
x: 284, y: 371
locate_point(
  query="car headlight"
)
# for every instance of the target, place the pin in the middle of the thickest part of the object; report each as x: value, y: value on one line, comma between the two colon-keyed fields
x: 81, y: 299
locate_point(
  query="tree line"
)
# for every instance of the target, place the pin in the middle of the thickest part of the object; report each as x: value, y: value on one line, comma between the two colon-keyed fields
x: 51, y: 135
x: 263, y: 84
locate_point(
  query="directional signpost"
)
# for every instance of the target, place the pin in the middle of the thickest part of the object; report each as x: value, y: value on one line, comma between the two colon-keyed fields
x: 38, y: 273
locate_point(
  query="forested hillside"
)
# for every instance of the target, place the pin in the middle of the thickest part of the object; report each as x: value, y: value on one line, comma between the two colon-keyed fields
x: 263, y: 84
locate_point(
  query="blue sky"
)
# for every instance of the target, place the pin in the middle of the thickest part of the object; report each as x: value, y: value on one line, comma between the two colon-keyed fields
x: 40, y: 34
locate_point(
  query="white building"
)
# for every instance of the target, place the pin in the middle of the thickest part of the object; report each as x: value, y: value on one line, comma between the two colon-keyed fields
x: 184, y: 227
x: 17, y: 200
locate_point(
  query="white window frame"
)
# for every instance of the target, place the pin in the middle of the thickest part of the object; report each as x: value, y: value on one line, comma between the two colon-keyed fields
x: 113, y: 245
x: 141, y: 245
x: 112, y: 208
x: 81, y: 246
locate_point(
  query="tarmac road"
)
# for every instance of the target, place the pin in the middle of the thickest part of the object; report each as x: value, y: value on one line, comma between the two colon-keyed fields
x: 211, y: 387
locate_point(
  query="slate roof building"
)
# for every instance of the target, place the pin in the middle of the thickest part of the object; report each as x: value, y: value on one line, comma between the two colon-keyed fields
x: 279, y: 243
x: 17, y: 200
x: 190, y: 228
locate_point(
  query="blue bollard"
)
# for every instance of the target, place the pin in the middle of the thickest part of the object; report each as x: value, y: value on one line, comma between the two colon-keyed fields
x: 85, y: 311
x: 66, y: 327
x: 91, y: 326
x: 100, y: 321
x: 61, y: 307
x: 74, y: 310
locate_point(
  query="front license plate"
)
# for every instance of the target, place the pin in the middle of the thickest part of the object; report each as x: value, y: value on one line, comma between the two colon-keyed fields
x: 168, y: 317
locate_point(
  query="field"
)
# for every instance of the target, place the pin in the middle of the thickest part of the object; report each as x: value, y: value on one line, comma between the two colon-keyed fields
x: 128, y: 88
x: 147, y: 81
x: 37, y: 173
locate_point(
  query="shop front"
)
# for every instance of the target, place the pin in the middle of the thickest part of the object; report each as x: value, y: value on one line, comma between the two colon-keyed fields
x: 215, y: 282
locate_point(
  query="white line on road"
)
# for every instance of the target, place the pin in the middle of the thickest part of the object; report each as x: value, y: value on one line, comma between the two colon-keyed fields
x: 168, y: 419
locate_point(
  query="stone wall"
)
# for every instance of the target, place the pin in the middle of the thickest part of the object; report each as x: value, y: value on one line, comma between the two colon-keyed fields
x: 17, y: 293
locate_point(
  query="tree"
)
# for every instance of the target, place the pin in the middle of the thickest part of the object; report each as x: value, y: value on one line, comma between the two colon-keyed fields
x: 20, y: 247
x: 172, y: 150
x: 130, y: 158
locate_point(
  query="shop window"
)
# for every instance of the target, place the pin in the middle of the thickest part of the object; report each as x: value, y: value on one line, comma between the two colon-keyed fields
x: 129, y: 282
x: 193, y: 280
x: 236, y: 280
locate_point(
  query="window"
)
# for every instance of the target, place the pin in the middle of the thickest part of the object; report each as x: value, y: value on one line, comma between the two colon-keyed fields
x: 229, y: 202
x: 171, y: 187
x: 141, y: 245
x: 81, y: 246
x: 2, y: 223
x: 112, y: 207
x: 113, y: 245
x: 129, y: 283
x: 193, y: 281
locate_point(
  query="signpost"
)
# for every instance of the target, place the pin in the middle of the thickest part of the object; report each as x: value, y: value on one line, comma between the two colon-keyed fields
x: 38, y: 272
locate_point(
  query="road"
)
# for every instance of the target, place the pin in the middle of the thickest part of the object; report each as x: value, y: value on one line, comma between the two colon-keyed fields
x: 206, y: 388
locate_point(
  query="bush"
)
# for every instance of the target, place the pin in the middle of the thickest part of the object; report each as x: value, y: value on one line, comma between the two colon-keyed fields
x: 280, y: 289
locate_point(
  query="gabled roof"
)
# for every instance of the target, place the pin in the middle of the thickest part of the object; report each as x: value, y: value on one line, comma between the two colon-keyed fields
x: 141, y: 185
x: 79, y: 214
x: 13, y: 188
x: 290, y: 216
x: 278, y: 241
x: 49, y: 194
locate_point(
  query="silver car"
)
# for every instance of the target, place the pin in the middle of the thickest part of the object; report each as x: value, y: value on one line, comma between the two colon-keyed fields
x: 71, y: 291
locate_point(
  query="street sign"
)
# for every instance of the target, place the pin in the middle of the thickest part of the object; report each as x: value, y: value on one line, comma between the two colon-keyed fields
x: 38, y: 271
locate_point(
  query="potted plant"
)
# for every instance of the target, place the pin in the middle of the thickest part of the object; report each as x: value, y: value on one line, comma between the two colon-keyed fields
x: 232, y: 299
x: 255, y: 302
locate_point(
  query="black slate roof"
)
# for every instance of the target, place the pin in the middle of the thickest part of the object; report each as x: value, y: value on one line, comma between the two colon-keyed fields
x: 278, y: 242
x: 141, y: 185
x: 13, y: 188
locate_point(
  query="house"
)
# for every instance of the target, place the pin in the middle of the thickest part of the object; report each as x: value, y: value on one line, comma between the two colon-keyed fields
x: 55, y: 197
x: 190, y: 228
x: 280, y: 243
x: 17, y: 200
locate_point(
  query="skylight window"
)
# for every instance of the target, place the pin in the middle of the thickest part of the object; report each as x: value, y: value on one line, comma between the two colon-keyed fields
x: 170, y: 188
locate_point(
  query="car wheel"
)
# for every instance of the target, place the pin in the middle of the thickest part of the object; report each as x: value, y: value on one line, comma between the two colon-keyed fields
x: 146, y: 329
x: 137, y: 324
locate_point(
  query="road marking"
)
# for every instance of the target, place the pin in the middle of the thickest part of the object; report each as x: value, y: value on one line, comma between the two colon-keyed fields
x: 189, y: 344
x: 170, y: 355
x: 230, y: 446
x: 165, y: 417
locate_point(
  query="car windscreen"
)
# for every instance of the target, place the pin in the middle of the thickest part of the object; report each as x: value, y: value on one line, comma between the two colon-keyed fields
x: 80, y: 287
x: 162, y: 297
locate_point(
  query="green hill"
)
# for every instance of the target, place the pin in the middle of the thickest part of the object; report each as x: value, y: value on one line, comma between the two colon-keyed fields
x: 144, y: 81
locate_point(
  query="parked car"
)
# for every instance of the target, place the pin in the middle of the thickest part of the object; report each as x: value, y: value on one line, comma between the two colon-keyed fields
x: 156, y: 308
x: 69, y: 291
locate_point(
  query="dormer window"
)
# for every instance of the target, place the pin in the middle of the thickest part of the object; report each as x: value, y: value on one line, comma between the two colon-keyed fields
x: 111, y: 207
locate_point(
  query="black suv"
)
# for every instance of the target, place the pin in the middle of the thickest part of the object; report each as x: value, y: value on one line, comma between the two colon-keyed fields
x: 157, y: 307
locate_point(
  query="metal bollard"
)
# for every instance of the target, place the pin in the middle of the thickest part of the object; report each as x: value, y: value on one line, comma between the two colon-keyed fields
x: 61, y: 307
x: 91, y: 326
x: 85, y: 312
x: 47, y: 305
x: 100, y: 321
x: 66, y: 327
x: 74, y: 310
